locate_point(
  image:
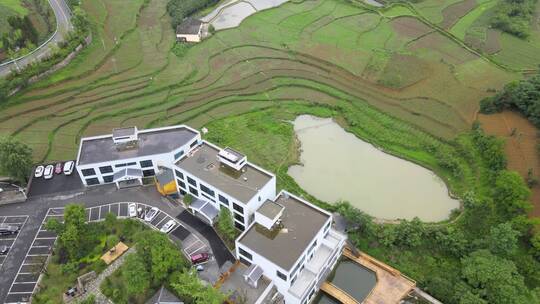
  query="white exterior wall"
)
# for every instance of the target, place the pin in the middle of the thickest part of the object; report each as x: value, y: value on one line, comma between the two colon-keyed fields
x: 268, y: 191
x: 270, y: 268
x: 189, y: 38
x: 163, y: 159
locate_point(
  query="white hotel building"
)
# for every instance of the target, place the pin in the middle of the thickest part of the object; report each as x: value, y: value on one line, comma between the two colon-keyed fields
x: 285, y: 238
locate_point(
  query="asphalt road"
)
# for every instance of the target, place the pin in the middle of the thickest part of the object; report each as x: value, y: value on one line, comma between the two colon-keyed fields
x: 63, y: 26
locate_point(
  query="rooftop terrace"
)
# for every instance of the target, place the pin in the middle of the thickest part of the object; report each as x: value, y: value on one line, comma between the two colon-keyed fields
x: 242, y: 185
x: 150, y: 142
x: 301, y: 223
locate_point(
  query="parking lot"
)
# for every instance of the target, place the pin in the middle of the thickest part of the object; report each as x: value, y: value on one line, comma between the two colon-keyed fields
x: 57, y: 184
x: 9, y: 240
x: 27, y: 276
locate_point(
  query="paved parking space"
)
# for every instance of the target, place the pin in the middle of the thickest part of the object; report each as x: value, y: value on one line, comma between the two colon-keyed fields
x: 59, y: 183
x: 9, y: 240
x: 27, y: 276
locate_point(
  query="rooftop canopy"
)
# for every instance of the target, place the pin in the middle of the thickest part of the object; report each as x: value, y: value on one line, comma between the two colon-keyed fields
x: 205, y: 208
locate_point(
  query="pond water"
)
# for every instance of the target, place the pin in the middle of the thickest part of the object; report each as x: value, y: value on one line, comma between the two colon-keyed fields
x: 337, y: 165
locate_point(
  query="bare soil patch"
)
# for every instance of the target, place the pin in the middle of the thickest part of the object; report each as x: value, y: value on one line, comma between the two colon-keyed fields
x: 452, y: 13
x: 409, y: 27
x: 520, y: 148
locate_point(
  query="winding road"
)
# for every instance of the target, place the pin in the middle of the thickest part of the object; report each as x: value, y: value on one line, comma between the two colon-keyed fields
x: 63, y: 26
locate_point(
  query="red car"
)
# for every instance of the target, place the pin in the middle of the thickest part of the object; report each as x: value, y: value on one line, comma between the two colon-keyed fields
x: 199, y: 258
x: 58, y: 168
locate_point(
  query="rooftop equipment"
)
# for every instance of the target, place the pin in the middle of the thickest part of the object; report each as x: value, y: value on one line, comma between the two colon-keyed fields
x: 232, y: 158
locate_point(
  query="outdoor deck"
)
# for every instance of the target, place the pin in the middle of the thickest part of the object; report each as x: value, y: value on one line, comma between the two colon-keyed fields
x: 391, y: 285
x: 338, y: 294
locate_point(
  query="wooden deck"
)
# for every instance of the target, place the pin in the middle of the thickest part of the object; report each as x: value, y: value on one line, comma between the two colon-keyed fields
x: 391, y: 285
x: 338, y: 294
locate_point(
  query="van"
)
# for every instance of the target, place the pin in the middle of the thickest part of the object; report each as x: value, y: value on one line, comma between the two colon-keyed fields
x: 68, y: 167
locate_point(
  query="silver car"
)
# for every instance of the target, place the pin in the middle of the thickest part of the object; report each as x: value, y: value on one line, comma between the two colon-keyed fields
x: 168, y: 226
x: 151, y: 214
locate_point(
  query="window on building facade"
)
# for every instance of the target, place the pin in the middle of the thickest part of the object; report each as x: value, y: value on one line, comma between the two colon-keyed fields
x: 108, y: 179
x: 88, y: 172
x: 245, y: 262
x: 281, y: 275
x: 179, y: 174
x: 193, y: 191
x: 207, y: 190
x: 105, y: 169
x: 238, y: 217
x: 193, y: 144
x: 181, y: 184
x: 191, y: 181
x: 239, y: 226
x: 147, y: 173
x: 146, y: 163
x: 298, y: 265
x: 223, y: 200
x: 92, y: 181
x: 238, y: 208
x: 246, y: 254
x: 125, y: 165
x: 179, y: 154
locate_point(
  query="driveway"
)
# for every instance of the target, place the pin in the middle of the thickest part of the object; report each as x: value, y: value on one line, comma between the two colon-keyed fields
x: 63, y: 26
x: 221, y: 252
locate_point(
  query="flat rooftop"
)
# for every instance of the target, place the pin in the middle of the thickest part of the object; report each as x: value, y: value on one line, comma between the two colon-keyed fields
x: 150, y: 142
x: 270, y: 209
x: 301, y: 223
x: 242, y: 185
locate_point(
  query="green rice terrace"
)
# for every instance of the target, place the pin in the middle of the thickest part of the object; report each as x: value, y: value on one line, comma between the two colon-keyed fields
x: 406, y: 77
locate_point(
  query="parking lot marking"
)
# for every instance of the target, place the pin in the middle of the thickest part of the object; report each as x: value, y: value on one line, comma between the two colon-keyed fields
x: 12, y: 240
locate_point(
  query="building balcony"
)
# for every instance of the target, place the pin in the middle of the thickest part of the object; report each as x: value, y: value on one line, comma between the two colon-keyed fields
x: 319, y: 266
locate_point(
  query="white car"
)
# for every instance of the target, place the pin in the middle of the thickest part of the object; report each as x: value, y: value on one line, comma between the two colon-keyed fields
x: 49, y: 172
x: 168, y: 226
x: 39, y: 171
x: 132, y: 210
x: 68, y: 167
x: 151, y: 214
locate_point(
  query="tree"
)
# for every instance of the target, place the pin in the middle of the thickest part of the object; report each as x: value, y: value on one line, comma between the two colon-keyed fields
x: 471, y: 298
x: 225, y: 224
x: 135, y: 275
x: 511, y: 194
x: 159, y: 254
x: 73, y: 235
x: 503, y: 239
x: 15, y: 159
x: 495, y: 279
x: 188, y: 286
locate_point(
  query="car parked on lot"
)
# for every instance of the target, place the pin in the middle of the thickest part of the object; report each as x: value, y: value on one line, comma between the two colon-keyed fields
x: 4, y: 250
x: 48, y: 173
x: 39, y: 171
x: 168, y: 226
x: 6, y: 229
x: 58, y: 168
x: 199, y: 258
x: 68, y: 167
x: 151, y: 214
x: 132, y: 210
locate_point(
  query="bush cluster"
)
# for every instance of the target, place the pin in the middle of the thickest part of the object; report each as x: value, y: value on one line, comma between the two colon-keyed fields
x: 523, y: 96
x: 514, y: 17
x: 180, y: 9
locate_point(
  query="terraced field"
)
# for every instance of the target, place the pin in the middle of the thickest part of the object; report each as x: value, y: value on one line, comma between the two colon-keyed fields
x: 320, y: 51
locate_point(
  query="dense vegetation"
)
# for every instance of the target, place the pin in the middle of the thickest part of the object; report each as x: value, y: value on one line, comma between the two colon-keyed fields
x: 15, y: 159
x: 180, y: 9
x: 22, y: 35
x: 523, y: 95
x: 514, y: 16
